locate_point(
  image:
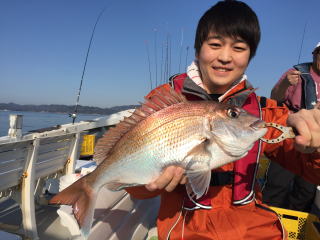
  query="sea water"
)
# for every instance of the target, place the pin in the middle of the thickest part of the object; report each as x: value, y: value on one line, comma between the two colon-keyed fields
x: 37, y: 120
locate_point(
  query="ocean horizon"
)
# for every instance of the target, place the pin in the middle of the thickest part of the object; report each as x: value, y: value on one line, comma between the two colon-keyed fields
x: 36, y: 120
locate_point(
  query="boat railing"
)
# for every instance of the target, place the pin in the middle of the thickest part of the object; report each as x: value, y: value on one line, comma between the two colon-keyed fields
x: 27, y: 161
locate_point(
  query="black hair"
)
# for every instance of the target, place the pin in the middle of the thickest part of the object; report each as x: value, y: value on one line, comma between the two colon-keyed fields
x: 231, y: 19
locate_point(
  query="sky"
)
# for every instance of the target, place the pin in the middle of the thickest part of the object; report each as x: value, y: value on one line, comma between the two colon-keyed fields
x: 43, y: 46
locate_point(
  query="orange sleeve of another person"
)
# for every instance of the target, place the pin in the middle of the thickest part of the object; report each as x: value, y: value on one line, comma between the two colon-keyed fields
x: 284, y: 153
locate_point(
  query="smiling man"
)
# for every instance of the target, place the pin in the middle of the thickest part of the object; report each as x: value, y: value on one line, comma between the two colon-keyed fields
x: 221, y: 61
x: 226, y: 40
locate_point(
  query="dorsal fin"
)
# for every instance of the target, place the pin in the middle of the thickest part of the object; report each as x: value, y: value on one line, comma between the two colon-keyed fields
x: 160, y: 99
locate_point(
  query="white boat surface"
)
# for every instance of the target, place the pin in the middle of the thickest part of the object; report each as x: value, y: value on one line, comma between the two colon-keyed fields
x: 30, y: 168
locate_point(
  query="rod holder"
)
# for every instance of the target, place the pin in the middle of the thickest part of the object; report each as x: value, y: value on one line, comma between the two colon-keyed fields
x: 15, y: 126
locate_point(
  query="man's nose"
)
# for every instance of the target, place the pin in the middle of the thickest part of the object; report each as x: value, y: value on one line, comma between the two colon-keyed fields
x: 225, y: 55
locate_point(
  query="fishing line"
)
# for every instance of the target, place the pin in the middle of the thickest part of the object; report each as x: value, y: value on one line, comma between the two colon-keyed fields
x: 304, y: 31
x: 187, y: 49
x: 169, y: 67
x: 161, y: 67
x: 180, y: 55
x: 74, y: 114
x: 155, y: 54
x: 166, y: 65
x: 149, y: 64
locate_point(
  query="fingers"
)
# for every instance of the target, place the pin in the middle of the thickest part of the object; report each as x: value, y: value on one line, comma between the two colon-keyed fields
x: 317, y: 106
x: 168, y: 180
x: 297, y: 120
x: 294, y: 72
x: 183, y: 180
x: 293, y: 77
x: 307, y: 123
x: 177, y: 176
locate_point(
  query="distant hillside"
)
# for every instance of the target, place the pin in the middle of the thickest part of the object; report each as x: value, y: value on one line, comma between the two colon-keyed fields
x: 63, y: 108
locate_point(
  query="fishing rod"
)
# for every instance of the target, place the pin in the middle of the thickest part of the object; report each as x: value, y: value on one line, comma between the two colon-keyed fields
x: 74, y: 114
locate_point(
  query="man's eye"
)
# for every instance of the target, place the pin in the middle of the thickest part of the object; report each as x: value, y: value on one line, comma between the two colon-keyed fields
x: 215, y: 44
x: 239, y: 49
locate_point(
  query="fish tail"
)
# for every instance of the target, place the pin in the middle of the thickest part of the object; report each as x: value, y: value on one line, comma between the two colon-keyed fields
x: 82, y: 197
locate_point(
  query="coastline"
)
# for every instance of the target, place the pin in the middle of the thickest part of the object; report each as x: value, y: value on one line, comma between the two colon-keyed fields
x: 66, y: 109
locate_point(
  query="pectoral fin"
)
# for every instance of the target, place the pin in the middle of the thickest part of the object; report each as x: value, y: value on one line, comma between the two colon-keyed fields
x: 198, y: 170
x: 198, y: 183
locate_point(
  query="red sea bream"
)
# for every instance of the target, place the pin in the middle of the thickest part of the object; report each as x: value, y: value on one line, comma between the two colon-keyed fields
x: 166, y: 130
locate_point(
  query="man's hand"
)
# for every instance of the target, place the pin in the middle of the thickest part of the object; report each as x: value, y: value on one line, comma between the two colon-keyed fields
x: 279, y: 91
x: 293, y: 77
x: 307, y: 123
x: 168, y: 180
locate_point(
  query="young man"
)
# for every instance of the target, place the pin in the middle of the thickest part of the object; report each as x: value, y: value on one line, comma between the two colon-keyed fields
x: 226, y: 39
x: 298, y: 88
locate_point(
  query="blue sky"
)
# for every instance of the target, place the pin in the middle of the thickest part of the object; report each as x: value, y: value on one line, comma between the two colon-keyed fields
x: 43, y: 46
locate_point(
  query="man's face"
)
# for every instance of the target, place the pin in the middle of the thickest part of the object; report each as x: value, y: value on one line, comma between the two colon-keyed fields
x: 222, y: 60
x: 316, y: 60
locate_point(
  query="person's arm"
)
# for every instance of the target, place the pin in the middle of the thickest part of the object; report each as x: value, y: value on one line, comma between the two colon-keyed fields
x: 292, y: 154
x: 280, y: 90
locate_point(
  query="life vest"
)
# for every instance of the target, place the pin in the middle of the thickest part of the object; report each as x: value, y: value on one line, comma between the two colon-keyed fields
x: 245, y: 169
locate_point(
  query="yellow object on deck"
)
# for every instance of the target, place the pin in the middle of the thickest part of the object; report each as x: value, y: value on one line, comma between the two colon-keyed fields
x: 299, y: 225
x: 87, y: 148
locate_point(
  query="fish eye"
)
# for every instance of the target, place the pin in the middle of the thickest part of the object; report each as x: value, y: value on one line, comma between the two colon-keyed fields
x: 233, y: 113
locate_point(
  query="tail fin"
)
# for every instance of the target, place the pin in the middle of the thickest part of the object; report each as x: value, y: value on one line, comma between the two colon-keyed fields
x: 82, y: 197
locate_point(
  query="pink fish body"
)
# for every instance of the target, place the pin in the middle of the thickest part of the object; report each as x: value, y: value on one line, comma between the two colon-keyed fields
x: 166, y: 130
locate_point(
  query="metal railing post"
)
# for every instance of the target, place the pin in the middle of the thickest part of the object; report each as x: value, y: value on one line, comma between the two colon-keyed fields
x: 27, y: 193
x: 74, y: 154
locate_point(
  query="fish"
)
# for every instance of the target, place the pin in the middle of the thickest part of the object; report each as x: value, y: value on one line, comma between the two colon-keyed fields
x: 165, y: 130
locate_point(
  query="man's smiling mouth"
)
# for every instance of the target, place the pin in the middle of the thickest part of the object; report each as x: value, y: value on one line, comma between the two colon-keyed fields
x: 220, y: 69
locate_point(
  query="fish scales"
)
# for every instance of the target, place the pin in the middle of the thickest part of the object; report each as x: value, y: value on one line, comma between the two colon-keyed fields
x: 166, y: 130
x: 153, y: 128
x: 166, y: 145
x: 165, y: 141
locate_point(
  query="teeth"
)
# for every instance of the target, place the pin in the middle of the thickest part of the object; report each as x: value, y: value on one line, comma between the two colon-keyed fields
x: 221, y: 69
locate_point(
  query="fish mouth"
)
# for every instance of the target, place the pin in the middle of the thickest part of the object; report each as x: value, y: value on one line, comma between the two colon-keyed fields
x: 258, y: 124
